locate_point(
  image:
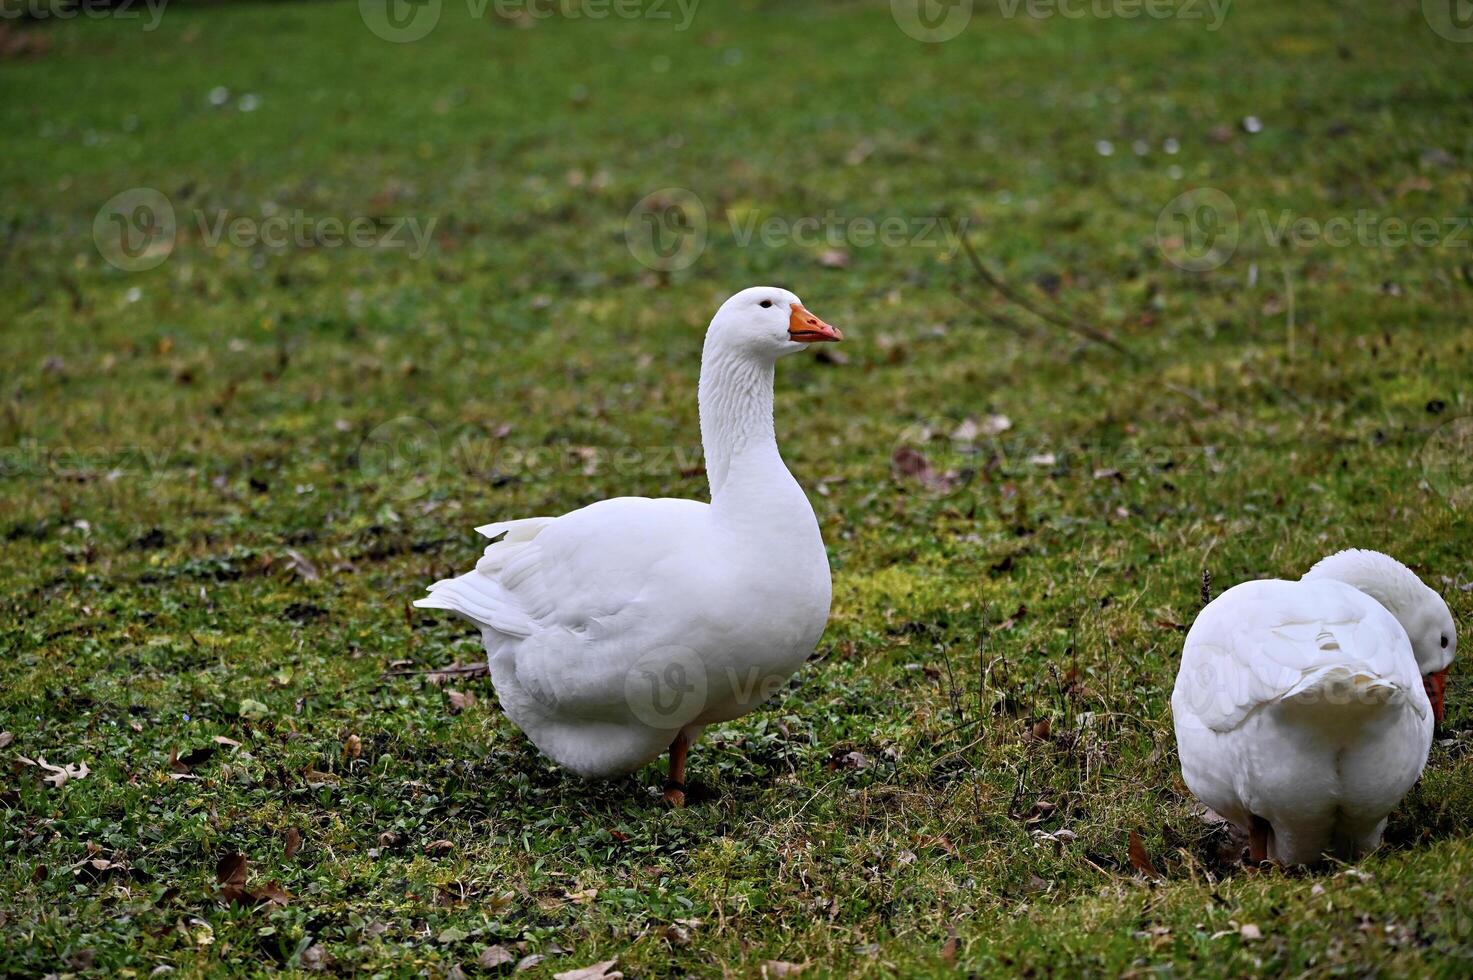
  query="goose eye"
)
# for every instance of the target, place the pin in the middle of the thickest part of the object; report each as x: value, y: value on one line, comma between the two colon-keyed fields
x: 767, y: 304
x: 1444, y: 643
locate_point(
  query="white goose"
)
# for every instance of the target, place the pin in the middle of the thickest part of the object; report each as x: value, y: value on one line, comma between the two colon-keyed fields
x: 1304, y: 710
x: 622, y: 629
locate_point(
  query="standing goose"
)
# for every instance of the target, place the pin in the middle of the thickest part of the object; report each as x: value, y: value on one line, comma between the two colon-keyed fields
x: 1304, y: 710
x: 623, y: 629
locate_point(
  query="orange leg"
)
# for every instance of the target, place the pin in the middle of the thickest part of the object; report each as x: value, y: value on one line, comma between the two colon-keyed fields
x: 675, y: 783
x: 1258, y: 840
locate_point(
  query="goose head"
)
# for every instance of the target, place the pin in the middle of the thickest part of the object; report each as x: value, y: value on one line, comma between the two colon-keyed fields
x: 1421, y: 611
x: 767, y: 323
x: 1434, y: 637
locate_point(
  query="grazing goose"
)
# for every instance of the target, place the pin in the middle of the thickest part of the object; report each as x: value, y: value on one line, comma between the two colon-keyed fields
x: 623, y: 629
x: 1304, y: 710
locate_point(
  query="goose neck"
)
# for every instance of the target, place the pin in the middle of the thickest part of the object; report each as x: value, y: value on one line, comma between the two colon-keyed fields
x: 736, y: 416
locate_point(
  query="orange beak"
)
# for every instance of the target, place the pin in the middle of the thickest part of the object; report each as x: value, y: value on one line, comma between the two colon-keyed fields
x: 1436, y: 685
x: 806, y: 328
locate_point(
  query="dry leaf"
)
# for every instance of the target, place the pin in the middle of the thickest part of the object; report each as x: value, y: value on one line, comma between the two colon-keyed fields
x: 231, y: 870
x: 1250, y: 932
x: 951, y: 947
x: 317, y: 779
x: 272, y: 894
x: 910, y: 463
x: 493, y: 956
x: 230, y: 874
x: 529, y: 961
x: 459, y: 701
x: 185, y: 763
x: 436, y: 847
x: 57, y: 775
x: 223, y: 740
x: 457, y: 669
x: 293, y: 842
x: 598, y: 971
x: 779, y: 968
x: 299, y: 564
x: 6, y: 738
x: 1139, y: 859
x: 314, y: 958
x: 352, y: 747
x: 584, y: 897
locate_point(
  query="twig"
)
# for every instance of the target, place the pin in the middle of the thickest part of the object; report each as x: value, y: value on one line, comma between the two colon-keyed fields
x: 1068, y: 323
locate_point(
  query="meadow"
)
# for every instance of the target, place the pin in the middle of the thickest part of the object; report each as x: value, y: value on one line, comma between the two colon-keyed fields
x: 289, y: 307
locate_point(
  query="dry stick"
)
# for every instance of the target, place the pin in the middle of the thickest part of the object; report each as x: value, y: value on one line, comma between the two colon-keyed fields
x: 1000, y: 319
x: 470, y: 669
x: 1067, y: 323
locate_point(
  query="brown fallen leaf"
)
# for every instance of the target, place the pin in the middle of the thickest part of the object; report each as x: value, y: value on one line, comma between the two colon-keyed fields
x: 436, y: 847
x: 293, y: 842
x: 1139, y: 859
x: 910, y: 463
x: 190, y: 759
x: 224, y: 740
x: 352, y: 747
x: 780, y: 968
x: 848, y: 760
x: 230, y: 874
x: 271, y: 893
x: 6, y: 738
x: 598, y: 971
x: 299, y: 564
x: 951, y: 947
x: 317, y: 779
x: 232, y: 870
x: 493, y: 956
x: 97, y: 868
x: 459, y: 700
x: 1014, y: 619
x: 57, y: 776
x: 529, y: 961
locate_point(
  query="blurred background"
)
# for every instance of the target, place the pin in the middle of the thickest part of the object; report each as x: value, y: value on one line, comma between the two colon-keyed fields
x: 296, y: 294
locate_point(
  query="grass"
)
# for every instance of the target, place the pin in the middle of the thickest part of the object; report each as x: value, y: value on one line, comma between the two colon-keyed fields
x: 226, y: 477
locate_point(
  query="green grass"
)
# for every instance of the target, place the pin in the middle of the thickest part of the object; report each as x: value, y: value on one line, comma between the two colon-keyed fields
x: 172, y: 437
